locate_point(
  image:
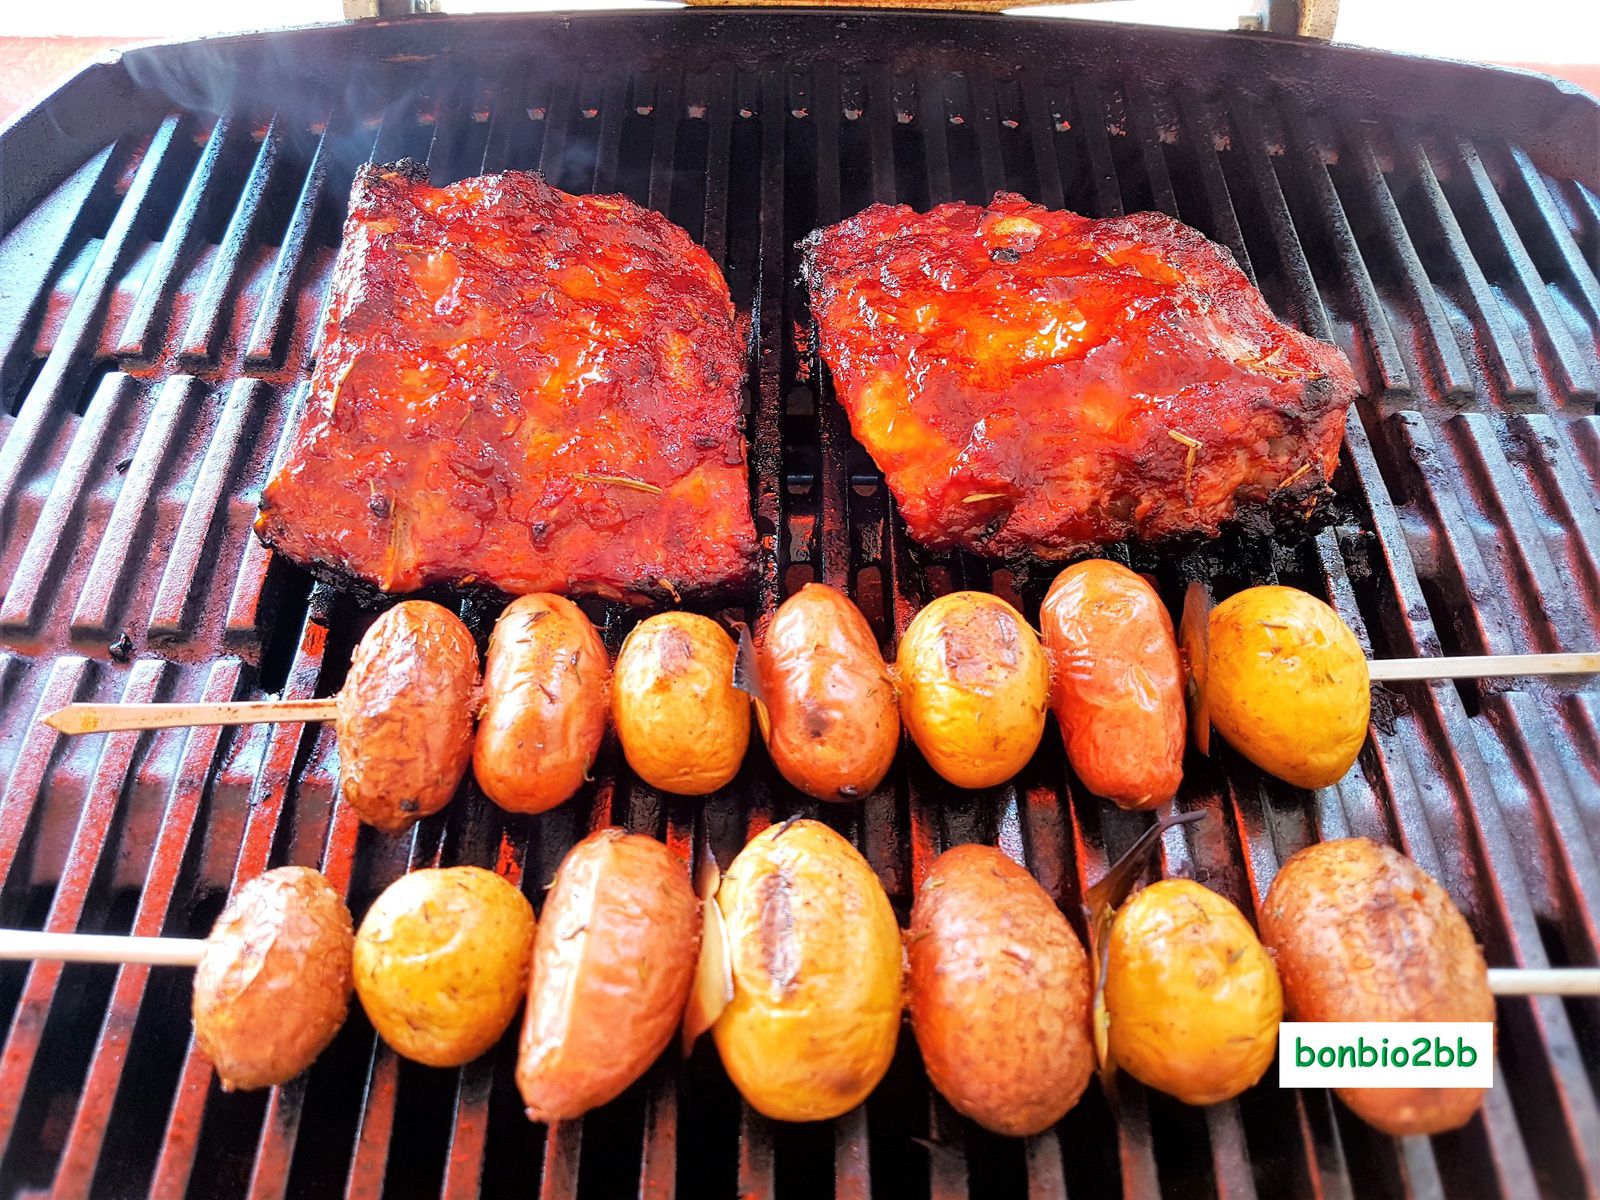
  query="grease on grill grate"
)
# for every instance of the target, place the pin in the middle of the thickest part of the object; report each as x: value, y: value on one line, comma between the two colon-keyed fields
x: 162, y: 304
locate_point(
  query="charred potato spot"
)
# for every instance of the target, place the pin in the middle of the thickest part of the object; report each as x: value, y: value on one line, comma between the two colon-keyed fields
x: 441, y: 962
x: 274, y: 984
x: 683, y: 725
x: 1361, y: 933
x: 974, y: 684
x: 816, y: 966
x: 1193, y: 998
x: 999, y: 988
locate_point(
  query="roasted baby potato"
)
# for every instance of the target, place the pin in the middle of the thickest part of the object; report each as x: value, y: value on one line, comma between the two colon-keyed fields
x: 816, y: 974
x: 999, y: 992
x: 1117, y: 688
x: 1361, y: 933
x: 1286, y: 684
x: 405, y: 715
x: 441, y: 962
x: 546, y: 697
x: 974, y: 685
x: 274, y: 984
x: 831, y: 720
x: 612, y: 965
x: 1192, y: 997
x: 683, y: 725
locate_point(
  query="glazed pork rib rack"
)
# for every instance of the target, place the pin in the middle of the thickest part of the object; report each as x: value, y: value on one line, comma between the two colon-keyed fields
x: 1035, y: 382
x: 523, y: 389
x: 165, y: 271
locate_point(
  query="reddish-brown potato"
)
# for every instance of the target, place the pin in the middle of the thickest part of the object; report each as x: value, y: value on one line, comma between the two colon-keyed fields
x: 274, y: 984
x: 546, y: 684
x: 1000, y: 993
x: 1362, y: 933
x: 1117, y: 687
x: 612, y: 964
x: 405, y: 715
x: 830, y: 717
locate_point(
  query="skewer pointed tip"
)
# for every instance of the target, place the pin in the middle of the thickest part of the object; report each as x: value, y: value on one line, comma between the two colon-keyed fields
x: 69, y: 720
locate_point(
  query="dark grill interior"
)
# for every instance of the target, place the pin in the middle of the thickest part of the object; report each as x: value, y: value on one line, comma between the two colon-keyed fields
x: 163, y: 269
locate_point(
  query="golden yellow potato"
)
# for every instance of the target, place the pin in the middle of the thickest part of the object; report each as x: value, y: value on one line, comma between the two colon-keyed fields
x: 1191, y: 994
x: 1000, y: 992
x: 816, y: 974
x: 1361, y: 933
x: 974, y: 688
x: 683, y: 725
x: 274, y: 984
x: 1286, y: 684
x: 441, y: 962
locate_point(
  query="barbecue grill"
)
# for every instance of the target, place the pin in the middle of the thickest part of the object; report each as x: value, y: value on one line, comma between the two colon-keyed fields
x: 169, y: 221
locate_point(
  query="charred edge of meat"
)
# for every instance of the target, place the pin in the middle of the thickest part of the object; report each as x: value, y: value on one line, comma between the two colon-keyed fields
x: 369, y: 595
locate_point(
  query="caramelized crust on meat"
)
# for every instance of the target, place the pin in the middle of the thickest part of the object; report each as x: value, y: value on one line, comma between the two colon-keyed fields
x: 1039, y: 382
x: 520, y: 388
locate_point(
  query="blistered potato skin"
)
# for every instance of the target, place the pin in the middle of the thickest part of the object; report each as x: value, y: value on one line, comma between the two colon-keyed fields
x: 1287, y: 684
x: 1000, y: 991
x: 684, y: 727
x: 1117, y: 682
x: 832, y: 721
x: 546, y: 685
x: 1361, y: 933
x: 974, y: 688
x: 405, y: 715
x: 612, y: 965
x: 441, y: 962
x: 1192, y: 995
x: 274, y: 984
x: 816, y: 961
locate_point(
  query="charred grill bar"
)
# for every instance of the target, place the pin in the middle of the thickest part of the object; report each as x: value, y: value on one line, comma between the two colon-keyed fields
x: 169, y: 225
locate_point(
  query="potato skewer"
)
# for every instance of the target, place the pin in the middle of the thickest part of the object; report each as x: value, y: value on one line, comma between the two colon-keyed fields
x: 1280, y: 675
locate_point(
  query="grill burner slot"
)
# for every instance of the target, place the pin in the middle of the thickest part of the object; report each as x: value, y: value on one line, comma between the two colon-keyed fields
x: 164, y: 270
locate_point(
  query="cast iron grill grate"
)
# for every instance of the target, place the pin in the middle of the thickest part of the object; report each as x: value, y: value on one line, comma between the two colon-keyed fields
x: 169, y: 223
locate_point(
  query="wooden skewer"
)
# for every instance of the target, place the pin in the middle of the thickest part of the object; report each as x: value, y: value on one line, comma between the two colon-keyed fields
x: 28, y: 944
x: 100, y: 948
x: 107, y: 718
x: 1480, y: 666
x: 1544, y: 981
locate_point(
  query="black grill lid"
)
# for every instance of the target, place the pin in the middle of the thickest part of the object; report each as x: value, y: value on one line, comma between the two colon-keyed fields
x: 167, y: 225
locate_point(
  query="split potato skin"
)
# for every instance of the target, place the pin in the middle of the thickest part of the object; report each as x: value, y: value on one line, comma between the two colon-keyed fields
x: 974, y: 686
x: 405, y: 715
x: 612, y: 964
x: 1117, y: 688
x: 1192, y: 996
x: 1286, y: 684
x: 546, y: 699
x: 816, y: 963
x: 1000, y: 991
x: 684, y: 727
x: 830, y: 719
x: 273, y: 986
x: 1361, y: 933
x: 441, y: 962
